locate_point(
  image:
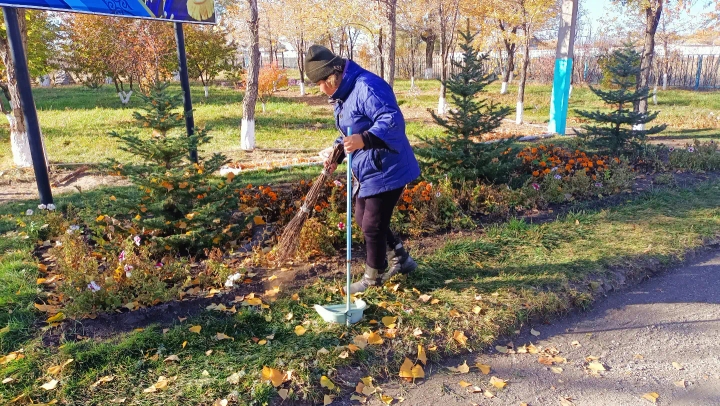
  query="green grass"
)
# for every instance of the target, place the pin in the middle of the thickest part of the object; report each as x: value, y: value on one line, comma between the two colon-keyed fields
x: 521, y: 270
x: 76, y: 120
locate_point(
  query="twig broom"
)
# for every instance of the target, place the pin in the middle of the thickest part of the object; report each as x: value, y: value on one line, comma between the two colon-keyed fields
x: 291, y: 235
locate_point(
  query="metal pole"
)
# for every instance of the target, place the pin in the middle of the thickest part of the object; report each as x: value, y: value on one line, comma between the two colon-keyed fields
x: 348, y: 235
x: 185, y: 85
x: 563, y: 67
x: 17, y: 53
x: 699, y: 72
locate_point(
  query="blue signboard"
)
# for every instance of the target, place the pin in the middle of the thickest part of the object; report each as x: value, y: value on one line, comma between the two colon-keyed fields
x: 191, y: 11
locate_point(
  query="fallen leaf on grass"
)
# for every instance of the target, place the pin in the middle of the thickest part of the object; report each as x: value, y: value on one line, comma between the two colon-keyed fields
x: 409, y: 370
x: 652, y: 396
x: 57, y: 369
x: 220, y: 402
x: 328, y: 400
x: 208, y: 353
x: 325, y: 382
x: 425, y: 298
x: 344, y: 355
x: 195, y: 329
x: 273, y: 375
x: 161, y: 384
x: 118, y: 400
x: 485, y: 369
x: 386, y: 399
x: 184, y: 344
x: 233, y: 379
x: 353, y: 348
x: 221, y: 336
x: 389, y: 321
x: 497, y: 382
x: 534, y: 332
x: 361, y: 341
x: 463, y: 369
x: 50, y: 385
x: 56, y: 318
x: 454, y: 313
x: 422, y: 357
x: 7, y: 380
x: 459, y: 336
x: 680, y: 383
x: 435, y: 301
x: 172, y: 358
x: 677, y: 366
x: 374, y: 339
x: 477, y: 309
x: 283, y: 393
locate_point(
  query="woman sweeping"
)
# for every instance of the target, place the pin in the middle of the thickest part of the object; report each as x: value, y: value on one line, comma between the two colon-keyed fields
x: 383, y: 161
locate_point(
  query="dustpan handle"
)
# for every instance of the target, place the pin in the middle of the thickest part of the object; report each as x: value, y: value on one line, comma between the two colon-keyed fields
x: 348, y: 228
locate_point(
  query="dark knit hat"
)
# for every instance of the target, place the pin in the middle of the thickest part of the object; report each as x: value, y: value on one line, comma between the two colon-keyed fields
x: 320, y: 63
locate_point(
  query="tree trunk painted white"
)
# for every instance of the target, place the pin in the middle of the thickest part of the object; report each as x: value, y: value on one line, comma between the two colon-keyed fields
x: 655, y: 95
x: 125, y: 97
x: 442, y: 106
x: 302, y: 89
x: 263, y: 107
x: 510, y: 78
x: 45, y: 81
x: 247, y: 135
x: 570, y: 92
x: 412, y: 82
x: 638, y: 127
x: 428, y: 73
x: 503, y: 88
x: 519, y: 111
x: 664, y: 81
x: 19, y: 145
x: 247, y: 127
x: 206, y: 91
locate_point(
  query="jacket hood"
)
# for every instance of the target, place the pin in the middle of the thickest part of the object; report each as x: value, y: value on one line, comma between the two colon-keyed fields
x: 350, y: 74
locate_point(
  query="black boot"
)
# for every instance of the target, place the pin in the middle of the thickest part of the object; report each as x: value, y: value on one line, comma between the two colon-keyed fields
x: 399, y: 261
x: 372, y: 277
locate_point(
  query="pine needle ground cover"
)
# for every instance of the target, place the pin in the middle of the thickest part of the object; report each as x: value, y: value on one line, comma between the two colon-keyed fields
x: 468, y: 290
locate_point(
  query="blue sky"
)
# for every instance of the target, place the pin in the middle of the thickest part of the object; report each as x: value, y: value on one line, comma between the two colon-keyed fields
x: 600, y: 8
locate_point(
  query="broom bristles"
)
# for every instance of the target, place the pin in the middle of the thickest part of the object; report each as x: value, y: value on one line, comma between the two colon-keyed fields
x: 291, y: 235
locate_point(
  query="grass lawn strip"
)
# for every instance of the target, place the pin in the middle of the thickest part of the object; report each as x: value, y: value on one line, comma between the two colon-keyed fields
x: 481, y: 286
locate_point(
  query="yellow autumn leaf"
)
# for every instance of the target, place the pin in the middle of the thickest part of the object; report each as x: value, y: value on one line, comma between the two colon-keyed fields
x: 184, y: 344
x: 353, y: 348
x: 56, y: 318
x: 652, y: 396
x: 374, y: 339
x: 57, y: 369
x: 102, y: 380
x: 273, y: 375
x: 596, y: 366
x: 454, y: 313
x: 556, y: 370
x: 258, y: 220
x: 418, y: 372
x: 262, y: 342
x: 464, y: 384
x: 255, y: 301
x: 485, y: 369
x: 386, y: 399
x: 221, y: 336
x: 325, y: 382
x: 422, y: 357
x: 497, y: 382
x: 406, y: 369
x: 195, y: 329
x: 100, y: 218
x: 389, y: 321
x: 435, y: 301
x: 300, y: 330
x: 477, y: 309
x: 459, y: 336
x: 463, y: 369
x: 328, y: 400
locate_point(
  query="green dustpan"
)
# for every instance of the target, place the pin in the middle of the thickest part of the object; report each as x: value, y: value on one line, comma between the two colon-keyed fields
x: 348, y: 313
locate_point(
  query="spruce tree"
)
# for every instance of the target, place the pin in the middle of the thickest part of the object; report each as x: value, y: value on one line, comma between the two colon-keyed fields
x: 621, y: 129
x: 461, y: 154
x: 182, y: 206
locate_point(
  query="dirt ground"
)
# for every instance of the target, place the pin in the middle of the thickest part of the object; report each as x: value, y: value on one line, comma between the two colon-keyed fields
x: 658, y: 337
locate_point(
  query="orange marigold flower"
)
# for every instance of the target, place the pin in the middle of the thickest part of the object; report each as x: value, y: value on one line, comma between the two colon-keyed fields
x: 594, y: 177
x: 600, y: 162
x: 534, y: 150
x: 568, y: 168
x: 543, y: 164
x: 590, y: 164
x: 536, y: 173
x: 546, y: 171
x: 318, y: 208
x: 571, y: 162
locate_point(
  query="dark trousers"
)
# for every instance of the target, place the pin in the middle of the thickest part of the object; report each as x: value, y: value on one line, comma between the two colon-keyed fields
x: 373, y: 214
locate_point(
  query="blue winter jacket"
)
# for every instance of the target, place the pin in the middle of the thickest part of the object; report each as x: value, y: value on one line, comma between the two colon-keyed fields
x: 366, y: 103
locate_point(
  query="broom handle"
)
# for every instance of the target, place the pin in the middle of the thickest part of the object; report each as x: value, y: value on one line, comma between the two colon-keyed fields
x: 348, y: 227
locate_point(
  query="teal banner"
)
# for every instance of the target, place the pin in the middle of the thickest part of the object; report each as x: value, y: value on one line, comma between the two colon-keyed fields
x: 560, y: 96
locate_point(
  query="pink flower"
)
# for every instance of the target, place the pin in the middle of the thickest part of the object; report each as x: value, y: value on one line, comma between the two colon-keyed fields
x: 137, y: 240
x: 341, y: 226
x: 159, y: 265
x: 128, y: 270
x: 121, y: 257
x: 536, y: 186
x: 338, y: 183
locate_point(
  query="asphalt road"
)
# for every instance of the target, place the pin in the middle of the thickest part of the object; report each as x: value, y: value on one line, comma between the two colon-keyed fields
x: 636, y: 334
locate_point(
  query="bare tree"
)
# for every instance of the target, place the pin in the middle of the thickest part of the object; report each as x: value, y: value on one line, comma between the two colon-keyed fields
x: 247, y: 128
